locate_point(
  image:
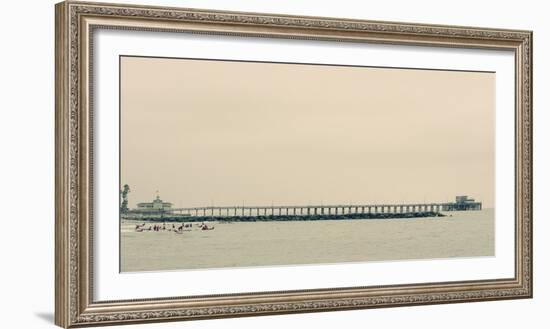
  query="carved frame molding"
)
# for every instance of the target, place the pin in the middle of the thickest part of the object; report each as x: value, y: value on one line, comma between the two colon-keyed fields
x: 75, y: 23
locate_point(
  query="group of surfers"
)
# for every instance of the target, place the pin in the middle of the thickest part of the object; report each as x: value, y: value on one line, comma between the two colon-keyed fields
x: 180, y: 229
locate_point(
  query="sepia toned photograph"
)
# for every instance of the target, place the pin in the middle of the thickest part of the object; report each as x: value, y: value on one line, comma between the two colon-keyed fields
x: 231, y: 164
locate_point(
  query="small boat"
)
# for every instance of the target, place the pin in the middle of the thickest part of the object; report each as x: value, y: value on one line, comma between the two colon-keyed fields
x: 206, y: 228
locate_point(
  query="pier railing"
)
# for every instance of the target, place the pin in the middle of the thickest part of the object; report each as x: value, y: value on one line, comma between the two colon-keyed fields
x: 320, y: 210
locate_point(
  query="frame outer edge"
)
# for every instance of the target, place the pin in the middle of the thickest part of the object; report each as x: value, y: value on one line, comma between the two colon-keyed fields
x: 72, y: 310
x: 62, y: 202
x: 530, y: 121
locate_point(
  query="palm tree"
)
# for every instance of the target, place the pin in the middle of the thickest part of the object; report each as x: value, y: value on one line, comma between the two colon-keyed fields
x: 124, y: 194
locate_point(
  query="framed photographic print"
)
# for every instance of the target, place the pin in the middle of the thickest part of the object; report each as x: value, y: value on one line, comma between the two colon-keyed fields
x: 216, y: 164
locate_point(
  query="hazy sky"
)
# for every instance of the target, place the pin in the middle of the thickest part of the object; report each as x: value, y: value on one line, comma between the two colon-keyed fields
x: 228, y: 133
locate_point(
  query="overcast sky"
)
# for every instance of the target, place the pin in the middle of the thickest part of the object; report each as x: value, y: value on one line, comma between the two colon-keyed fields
x: 228, y: 133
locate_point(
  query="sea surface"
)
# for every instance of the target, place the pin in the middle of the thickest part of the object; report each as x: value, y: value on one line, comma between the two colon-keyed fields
x: 244, y: 244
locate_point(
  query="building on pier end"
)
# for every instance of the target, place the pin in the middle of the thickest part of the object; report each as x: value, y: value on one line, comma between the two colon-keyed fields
x: 462, y: 202
x: 156, y: 206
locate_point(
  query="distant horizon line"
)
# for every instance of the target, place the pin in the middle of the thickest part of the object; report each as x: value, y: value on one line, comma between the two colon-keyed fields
x: 317, y: 205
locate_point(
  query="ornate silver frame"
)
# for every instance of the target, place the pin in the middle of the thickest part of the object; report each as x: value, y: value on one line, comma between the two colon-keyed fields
x: 76, y: 21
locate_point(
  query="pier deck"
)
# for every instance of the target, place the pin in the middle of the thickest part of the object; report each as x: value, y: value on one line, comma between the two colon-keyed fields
x: 309, y: 212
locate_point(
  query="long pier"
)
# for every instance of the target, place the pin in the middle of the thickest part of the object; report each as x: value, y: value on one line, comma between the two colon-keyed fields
x: 320, y: 210
x: 164, y: 211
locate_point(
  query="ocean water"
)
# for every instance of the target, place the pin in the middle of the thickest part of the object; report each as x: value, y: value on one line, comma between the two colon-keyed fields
x: 244, y: 244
